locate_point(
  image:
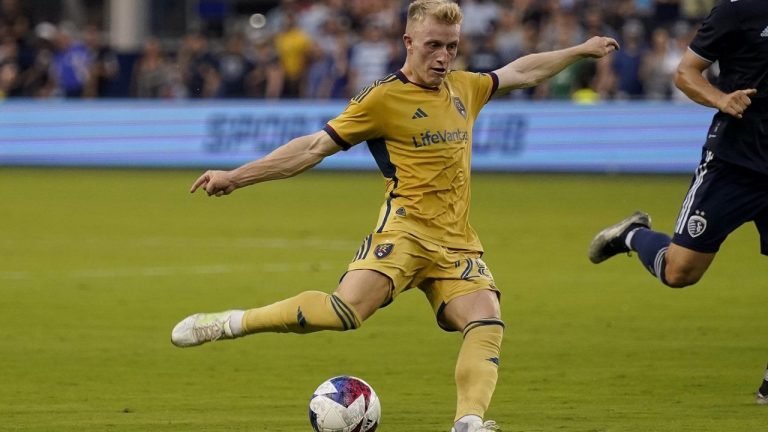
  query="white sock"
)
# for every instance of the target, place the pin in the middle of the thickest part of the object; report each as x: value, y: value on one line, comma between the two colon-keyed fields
x: 470, y: 419
x: 236, y: 322
x: 628, y: 239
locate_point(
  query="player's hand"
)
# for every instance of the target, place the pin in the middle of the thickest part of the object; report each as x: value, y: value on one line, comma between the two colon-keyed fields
x: 215, y: 183
x: 735, y: 103
x: 600, y: 46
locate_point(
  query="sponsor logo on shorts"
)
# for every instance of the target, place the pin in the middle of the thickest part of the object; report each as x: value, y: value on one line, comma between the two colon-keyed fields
x: 383, y: 250
x: 696, y: 225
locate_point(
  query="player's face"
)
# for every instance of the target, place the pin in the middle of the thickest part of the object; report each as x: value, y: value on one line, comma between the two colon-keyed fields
x: 431, y: 47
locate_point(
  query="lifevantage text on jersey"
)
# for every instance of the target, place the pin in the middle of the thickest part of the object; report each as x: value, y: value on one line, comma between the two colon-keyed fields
x: 428, y: 137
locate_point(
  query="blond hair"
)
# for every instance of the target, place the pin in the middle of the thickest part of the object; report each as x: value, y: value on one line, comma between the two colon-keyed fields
x: 444, y: 11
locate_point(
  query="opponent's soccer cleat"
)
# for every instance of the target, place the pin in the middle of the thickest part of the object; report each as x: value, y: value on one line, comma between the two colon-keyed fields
x: 760, y: 399
x: 200, y: 328
x: 610, y: 241
x: 487, y: 426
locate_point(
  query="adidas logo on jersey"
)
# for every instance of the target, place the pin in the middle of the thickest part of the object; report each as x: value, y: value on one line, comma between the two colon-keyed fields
x: 764, y: 33
x: 419, y: 114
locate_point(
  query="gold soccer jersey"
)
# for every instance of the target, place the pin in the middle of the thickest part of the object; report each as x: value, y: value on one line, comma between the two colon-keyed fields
x: 421, y: 139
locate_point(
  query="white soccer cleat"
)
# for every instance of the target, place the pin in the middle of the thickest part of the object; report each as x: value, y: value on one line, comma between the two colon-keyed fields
x: 487, y: 426
x: 200, y: 328
x: 760, y: 399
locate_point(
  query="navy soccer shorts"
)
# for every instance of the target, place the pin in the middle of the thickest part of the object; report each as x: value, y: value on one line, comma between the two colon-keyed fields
x: 721, y: 198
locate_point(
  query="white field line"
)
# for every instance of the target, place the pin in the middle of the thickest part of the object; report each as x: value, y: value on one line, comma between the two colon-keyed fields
x: 186, y: 242
x: 150, y: 272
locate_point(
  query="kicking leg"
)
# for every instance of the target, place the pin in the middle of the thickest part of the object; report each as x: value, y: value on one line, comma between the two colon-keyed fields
x: 358, y: 296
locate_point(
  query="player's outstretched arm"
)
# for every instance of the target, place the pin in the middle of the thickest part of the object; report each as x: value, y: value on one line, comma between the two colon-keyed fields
x: 288, y: 160
x: 530, y: 70
x: 689, y: 80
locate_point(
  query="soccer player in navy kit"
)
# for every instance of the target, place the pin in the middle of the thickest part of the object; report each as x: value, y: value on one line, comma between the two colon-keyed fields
x: 730, y: 186
x: 418, y: 125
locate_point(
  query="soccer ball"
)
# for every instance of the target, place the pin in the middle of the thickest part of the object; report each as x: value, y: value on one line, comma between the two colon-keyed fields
x: 344, y: 404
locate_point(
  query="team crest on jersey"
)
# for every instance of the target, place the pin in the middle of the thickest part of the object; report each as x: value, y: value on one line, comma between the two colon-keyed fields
x: 696, y: 225
x: 383, y: 250
x: 459, y: 106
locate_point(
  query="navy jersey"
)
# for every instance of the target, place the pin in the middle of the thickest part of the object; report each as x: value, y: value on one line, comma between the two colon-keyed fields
x: 736, y: 35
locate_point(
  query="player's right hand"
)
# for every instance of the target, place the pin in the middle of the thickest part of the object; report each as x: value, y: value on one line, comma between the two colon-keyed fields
x: 736, y: 103
x: 215, y: 183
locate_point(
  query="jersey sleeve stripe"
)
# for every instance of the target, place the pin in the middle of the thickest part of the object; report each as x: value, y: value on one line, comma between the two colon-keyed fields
x: 336, y: 138
x: 494, y: 86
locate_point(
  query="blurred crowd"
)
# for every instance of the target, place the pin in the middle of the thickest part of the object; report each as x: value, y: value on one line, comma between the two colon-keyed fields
x: 333, y: 48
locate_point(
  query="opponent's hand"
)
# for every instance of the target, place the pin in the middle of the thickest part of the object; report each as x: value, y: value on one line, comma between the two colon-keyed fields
x: 600, y: 46
x: 735, y: 103
x: 215, y: 183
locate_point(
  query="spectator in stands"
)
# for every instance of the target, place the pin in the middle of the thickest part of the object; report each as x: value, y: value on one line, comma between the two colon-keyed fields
x: 696, y: 10
x: 479, y: 16
x: 594, y: 24
x: 9, y: 68
x: 198, y: 66
x: 151, y: 75
x: 585, y: 84
x: 370, y: 58
x: 313, y: 18
x: 566, y: 32
x: 658, y: 66
x: 682, y: 34
x: 328, y: 74
x: 293, y: 48
x: 37, y: 80
x: 104, y: 68
x: 518, y: 27
x: 557, y: 24
x: 235, y: 69
x: 13, y: 22
x: 509, y: 35
x: 485, y: 57
x: 666, y: 12
x: 268, y: 76
x: 626, y: 62
x: 71, y: 63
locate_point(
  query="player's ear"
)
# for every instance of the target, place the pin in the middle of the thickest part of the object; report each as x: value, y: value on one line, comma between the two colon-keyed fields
x: 407, y: 41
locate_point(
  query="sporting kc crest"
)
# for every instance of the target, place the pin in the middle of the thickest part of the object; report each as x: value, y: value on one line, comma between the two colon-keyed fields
x: 459, y: 106
x: 383, y: 250
x: 696, y: 225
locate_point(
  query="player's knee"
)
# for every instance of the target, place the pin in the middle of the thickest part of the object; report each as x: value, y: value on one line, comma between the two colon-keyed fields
x: 681, y: 277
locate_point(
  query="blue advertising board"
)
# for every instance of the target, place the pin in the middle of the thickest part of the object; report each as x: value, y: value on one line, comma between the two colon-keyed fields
x: 640, y: 137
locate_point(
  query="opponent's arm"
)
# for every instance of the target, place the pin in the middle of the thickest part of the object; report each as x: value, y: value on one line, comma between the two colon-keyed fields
x: 288, y: 160
x: 530, y: 70
x: 689, y: 80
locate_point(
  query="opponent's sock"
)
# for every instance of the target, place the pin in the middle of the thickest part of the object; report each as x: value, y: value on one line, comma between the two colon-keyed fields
x: 651, y: 248
x: 308, y: 312
x: 764, y: 386
x: 477, y: 367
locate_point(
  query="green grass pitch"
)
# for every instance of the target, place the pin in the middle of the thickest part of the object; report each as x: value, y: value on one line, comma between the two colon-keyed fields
x: 98, y: 266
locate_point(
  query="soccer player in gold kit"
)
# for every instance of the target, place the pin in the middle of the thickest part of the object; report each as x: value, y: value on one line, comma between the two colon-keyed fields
x: 418, y: 125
